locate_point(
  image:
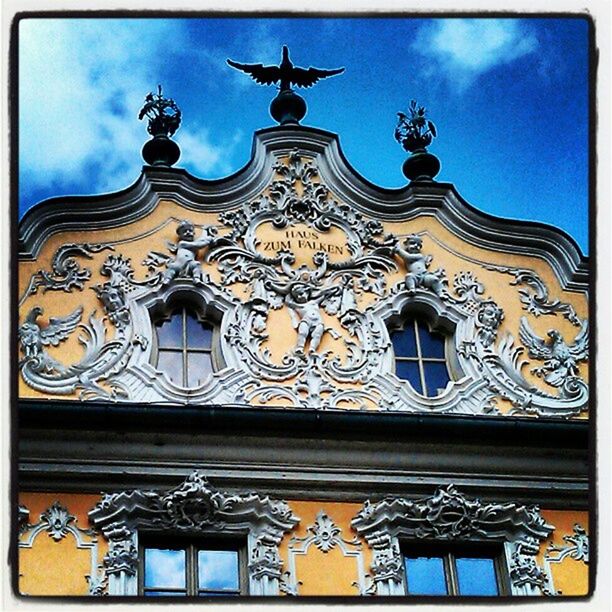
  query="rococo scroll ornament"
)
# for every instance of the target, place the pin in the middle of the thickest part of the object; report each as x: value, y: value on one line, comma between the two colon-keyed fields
x: 297, y: 253
x: 66, y: 272
x: 577, y: 547
x: 194, y: 507
x: 448, y: 515
x: 57, y: 522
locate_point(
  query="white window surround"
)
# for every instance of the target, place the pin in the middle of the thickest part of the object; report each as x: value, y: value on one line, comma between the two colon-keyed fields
x: 193, y: 508
x: 449, y: 516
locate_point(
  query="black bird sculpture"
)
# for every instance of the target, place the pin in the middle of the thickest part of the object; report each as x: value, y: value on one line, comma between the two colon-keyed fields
x: 285, y: 72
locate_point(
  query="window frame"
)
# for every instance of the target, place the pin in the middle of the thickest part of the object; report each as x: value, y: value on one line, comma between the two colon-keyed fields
x: 191, y: 545
x: 449, y: 552
x: 183, y: 309
x: 416, y: 321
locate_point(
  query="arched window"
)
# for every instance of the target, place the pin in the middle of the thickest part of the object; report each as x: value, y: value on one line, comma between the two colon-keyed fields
x: 184, y: 348
x: 420, y: 358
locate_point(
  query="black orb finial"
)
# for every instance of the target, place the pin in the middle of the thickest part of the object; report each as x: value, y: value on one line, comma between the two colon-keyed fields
x: 287, y: 108
x: 415, y: 133
x: 164, y: 118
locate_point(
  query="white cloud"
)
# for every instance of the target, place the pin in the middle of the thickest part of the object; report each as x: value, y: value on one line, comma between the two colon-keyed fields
x: 466, y: 48
x: 81, y: 85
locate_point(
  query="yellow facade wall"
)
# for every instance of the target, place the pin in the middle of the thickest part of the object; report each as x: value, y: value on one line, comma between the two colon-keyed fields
x: 158, y: 228
x: 53, y: 567
x: 571, y: 575
x: 325, y: 573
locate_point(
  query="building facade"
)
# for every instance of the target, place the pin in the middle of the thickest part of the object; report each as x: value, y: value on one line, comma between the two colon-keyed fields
x: 294, y: 382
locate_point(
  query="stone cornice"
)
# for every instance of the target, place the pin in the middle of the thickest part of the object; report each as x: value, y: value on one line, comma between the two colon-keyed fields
x: 440, y: 200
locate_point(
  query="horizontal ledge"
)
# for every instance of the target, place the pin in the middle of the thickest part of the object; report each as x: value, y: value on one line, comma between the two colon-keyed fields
x: 296, y: 422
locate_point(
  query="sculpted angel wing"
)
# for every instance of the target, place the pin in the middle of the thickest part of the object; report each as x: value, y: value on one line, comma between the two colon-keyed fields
x: 60, y: 328
x: 580, y: 349
x: 307, y: 77
x: 537, y: 347
x: 266, y: 75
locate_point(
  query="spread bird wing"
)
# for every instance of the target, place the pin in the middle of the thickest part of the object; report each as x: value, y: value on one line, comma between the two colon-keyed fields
x: 265, y: 75
x: 306, y: 77
x: 537, y: 347
x: 60, y: 328
x: 580, y: 348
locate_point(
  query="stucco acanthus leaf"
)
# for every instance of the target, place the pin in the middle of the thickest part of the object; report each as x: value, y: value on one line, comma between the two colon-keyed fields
x: 577, y: 548
x: 66, y: 273
x: 194, y: 507
x: 448, y: 515
x: 535, y: 298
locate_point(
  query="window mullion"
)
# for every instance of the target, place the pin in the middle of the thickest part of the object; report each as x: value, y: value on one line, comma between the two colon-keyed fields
x: 184, y: 337
x: 420, y: 358
x: 453, y: 581
x: 192, y: 569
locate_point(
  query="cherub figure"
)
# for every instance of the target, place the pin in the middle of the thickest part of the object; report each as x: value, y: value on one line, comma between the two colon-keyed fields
x: 304, y: 307
x: 417, y: 265
x: 185, y: 262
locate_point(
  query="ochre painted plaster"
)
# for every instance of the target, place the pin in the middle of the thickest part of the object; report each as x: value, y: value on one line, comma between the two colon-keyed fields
x: 57, y: 567
x: 322, y: 573
x: 570, y: 576
x: 153, y: 233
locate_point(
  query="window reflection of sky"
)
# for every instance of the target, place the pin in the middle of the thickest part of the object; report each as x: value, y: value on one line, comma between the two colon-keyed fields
x: 218, y: 570
x: 164, y: 568
x: 476, y: 576
x: 425, y: 576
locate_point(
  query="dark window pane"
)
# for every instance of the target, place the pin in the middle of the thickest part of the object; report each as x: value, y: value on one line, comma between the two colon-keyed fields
x: 432, y: 344
x: 170, y: 333
x: 199, y: 368
x: 171, y: 363
x: 218, y: 569
x: 436, y: 377
x: 199, y: 335
x: 476, y: 576
x: 403, y: 341
x: 217, y: 594
x: 425, y: 576
x: 409, y: 370
x: 164, y: 594
x: 164, y: 568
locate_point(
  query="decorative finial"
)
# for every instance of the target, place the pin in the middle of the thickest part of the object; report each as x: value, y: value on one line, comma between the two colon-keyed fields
x: 164, y: 118
x: 287, y: 107
x: 415, y: 133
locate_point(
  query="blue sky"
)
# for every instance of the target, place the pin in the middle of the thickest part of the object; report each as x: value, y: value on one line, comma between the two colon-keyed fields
x: 509, y: 98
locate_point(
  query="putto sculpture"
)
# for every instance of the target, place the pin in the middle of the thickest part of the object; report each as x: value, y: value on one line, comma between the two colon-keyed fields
x: 417, y: 264
x: 185, y: 262
x: 287, y: 107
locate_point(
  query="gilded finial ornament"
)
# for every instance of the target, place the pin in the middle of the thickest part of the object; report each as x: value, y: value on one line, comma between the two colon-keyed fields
x: 287, y: 107
x: 415, y: 132
x: 164, y: 119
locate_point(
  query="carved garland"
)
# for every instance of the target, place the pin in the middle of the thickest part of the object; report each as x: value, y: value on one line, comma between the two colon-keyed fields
x: 193, y: 508
x: 450, y: 516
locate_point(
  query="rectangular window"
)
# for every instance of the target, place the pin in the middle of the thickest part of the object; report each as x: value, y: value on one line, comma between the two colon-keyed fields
x: 184, y: 568
x: 464, y: 571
